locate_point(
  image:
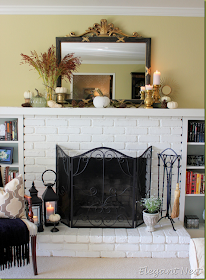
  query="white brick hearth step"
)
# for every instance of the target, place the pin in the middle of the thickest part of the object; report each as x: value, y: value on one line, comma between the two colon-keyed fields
x: 164, y: 242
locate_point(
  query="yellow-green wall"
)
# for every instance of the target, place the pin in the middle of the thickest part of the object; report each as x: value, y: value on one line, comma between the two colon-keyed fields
x: 177, y: 51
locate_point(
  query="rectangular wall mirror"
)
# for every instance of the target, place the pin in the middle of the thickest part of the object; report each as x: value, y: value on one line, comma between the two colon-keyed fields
x: 105, y: 52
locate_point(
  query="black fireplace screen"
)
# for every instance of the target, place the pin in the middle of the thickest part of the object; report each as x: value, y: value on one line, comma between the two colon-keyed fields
x: 102, y: 187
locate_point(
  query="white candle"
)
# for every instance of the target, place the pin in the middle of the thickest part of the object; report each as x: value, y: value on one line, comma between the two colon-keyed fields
x: 149, y: 87
x: 50, y: 210
x: 156, y: 78
x: 35, y: 218
x: 142, y: 88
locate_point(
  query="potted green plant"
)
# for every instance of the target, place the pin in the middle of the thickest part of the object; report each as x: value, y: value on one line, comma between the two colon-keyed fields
x: 151, y: 210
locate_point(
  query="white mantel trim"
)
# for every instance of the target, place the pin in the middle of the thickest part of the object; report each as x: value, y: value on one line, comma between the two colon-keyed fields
x: 138, y: 112
x: 102, y: 10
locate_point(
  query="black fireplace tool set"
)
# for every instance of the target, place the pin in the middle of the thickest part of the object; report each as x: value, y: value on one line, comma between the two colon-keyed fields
x: 168, y: 161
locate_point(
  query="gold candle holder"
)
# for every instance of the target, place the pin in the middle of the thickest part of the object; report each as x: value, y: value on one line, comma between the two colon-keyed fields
x: 156, y: 94
x: 149, y: 99
x: 142, y: 93
x: 61, y: 98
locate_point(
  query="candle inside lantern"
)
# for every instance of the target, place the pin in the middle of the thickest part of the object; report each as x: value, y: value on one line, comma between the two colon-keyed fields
x: 35, y: 218
x: 156, y: 78
x: 149, y: 87
x: 50, y: 210
x: 142, y: 88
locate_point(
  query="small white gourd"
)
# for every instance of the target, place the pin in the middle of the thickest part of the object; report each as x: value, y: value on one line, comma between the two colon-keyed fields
x: 167, y: 98
x: 53, y: 104
x: 172, y: 105
x: 54, y: 218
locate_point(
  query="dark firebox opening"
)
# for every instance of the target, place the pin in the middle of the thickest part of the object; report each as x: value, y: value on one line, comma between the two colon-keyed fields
x: 102, y: 188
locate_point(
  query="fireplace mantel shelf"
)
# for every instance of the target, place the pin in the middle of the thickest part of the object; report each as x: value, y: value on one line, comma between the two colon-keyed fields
x: 139, y: 112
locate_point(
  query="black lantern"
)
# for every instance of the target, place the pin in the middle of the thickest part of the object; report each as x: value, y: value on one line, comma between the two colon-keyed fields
x: 36, y: 208
x: 50, y: 200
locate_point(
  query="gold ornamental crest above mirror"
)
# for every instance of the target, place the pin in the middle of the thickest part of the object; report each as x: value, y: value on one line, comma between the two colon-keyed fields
x: 104, y: 29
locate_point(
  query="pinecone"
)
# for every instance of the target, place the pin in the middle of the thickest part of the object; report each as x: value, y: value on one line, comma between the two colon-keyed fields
x: 74, y: 103
x: 123, y: 105
x: 81, y: 104
x: 164, y: 104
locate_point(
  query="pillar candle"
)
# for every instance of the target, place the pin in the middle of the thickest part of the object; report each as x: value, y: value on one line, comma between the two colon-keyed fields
x: 35, y: 218
x: 149, y: 87
x: 156, y: 78
x: 142, y: 88
x: 50, y: 210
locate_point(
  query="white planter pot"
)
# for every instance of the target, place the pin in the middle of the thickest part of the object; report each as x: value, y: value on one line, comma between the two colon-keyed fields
x: 150, y: 220
x: 101, y: 101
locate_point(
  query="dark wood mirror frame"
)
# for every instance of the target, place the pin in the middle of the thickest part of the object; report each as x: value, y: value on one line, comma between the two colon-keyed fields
x: 106, y: 33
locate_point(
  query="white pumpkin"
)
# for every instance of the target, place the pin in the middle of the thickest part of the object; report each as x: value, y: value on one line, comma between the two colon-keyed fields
x: 53, y: 104
x: 167, y: 98
x: 54, y: 218
x: 172, y: 105
x: 61, y: 90
x: 101, y: 101
x: 28, y: 94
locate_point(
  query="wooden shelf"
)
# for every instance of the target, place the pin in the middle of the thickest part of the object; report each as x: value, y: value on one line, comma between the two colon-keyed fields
x: 194, y: 194
x: 195, y: 167
x: 8, y: 142
x: 195, y: 143
x: 15, y: 164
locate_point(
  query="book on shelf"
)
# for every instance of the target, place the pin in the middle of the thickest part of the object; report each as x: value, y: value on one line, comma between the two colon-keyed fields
x: 10, y: 131
x: 196, y: 131
x: 6, y: 175
x: 2, y: 132
x: 12, y: 174
x: 15, y: 130
x: 195, y: 182
x: 196, y: 160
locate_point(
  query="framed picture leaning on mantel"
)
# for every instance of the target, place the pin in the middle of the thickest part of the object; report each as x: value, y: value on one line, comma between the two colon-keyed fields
x: 6, y: 155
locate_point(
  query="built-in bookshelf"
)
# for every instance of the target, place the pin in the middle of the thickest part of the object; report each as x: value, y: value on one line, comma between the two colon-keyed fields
x: 11, y: 144
x: 194, y: 154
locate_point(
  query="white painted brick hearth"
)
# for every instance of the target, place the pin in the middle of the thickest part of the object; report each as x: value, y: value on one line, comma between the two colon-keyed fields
x: 118, y: 243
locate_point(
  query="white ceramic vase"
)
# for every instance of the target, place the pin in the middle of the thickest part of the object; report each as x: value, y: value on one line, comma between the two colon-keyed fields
x: 101, y: 101
x: 150, y: 220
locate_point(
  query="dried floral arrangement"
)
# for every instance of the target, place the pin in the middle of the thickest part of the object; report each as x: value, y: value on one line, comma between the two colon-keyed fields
x: 48, y: 68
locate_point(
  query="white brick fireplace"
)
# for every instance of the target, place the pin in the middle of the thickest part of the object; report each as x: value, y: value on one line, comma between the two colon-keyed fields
x: 130, y: 131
